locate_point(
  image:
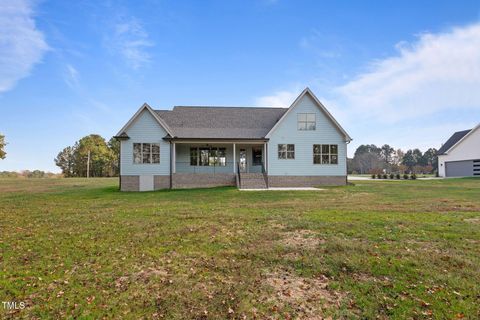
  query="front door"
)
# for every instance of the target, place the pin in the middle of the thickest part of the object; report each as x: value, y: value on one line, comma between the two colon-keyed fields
x: 243, y: 160
x: 257, y: 156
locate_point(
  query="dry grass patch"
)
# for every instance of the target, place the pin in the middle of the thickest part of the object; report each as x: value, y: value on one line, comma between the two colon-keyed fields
x: 301, y: 239
x: 308, y: 298
x: 473, y: 220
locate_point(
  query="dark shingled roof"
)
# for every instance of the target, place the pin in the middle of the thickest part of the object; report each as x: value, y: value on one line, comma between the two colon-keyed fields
x: 221, y: 122
x: 453, y: 139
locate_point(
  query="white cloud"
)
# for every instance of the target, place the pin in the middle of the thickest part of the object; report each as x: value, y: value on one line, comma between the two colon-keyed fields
x: 438, y: 72
x: 278, y: 99
x: 415, y: 99
x: 132, y: 41
x: 22, y: 45
x: 71, y: 76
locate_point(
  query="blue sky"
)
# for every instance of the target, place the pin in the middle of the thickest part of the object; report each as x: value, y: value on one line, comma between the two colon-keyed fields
x: 406, y: 73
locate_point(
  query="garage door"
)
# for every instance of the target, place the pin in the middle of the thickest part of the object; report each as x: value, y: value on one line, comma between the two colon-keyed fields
x: 465, y: 168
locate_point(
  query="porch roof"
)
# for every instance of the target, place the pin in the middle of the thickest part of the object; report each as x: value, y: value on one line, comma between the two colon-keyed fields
x: 222, y: 123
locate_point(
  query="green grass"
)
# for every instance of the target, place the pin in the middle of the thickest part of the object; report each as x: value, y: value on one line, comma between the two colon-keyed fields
x: 72, y: 248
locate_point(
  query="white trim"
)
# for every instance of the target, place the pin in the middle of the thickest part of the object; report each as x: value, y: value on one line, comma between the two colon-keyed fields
x: 174, y: 156
x: 319, y: 104
x: 152, y: 112
x: 226, y: 142
x: 464, y: 137
x: 234, y: 159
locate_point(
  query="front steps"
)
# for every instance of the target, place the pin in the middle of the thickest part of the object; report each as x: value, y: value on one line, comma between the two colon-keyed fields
x: 252, y: 181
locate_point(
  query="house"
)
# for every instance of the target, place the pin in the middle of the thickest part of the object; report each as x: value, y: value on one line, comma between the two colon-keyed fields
x: 191, y: 147
x: 460, y: 155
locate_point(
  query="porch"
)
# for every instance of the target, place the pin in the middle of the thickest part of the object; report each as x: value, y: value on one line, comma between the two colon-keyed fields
x: 212, y: 163
x: 219, y: 158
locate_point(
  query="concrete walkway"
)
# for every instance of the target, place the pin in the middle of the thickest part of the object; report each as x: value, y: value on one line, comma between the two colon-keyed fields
x: 285, y: 189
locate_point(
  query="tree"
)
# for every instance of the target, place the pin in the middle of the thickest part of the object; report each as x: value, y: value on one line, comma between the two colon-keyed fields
x: 114, y: 146
x: 367, y: 158
x: 66, y: 161
x: 430, y: 158
x: 100, y: 156
x: 3, y: 154
x: 367, y: 148
x: 398, y: 157
x: 386, y: 153
x: 412, y: 158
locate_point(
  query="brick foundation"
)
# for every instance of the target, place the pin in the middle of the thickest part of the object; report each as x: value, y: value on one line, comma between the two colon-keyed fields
x: 306, y: 181
x: 161, y: 182
x: 130, y: 183
x: 202, y: 180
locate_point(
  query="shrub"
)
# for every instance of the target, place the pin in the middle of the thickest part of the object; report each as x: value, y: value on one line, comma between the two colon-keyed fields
x: 392, y: 176
x: 373, y: 176
x: 405, y: 176
x: 398, y: 176
x: 385, y: 176
x: 413, y: 176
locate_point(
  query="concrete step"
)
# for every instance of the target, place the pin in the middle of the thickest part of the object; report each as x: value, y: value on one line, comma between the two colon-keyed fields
x: 252, y: 181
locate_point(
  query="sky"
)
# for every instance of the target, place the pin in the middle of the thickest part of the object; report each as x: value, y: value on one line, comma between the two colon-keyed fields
x: 405, y: 73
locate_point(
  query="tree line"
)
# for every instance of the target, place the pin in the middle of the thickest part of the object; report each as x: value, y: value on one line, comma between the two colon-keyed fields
x: 3, y: 154
x: 101, y: 157
x: 373, y: 160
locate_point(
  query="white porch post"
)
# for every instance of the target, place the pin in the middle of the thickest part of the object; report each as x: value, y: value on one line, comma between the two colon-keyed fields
x: 174, y: 158
x: 265, y: 156
x: 234, y: 160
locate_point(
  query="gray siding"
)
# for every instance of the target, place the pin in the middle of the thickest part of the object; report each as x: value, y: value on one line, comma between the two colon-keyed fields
x: 145, y: 129
x: 325, y: 133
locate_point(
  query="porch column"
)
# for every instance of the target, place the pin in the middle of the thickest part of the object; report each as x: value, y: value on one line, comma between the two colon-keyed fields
x: 265, y: 155
x: 174, y: 159
x: 234, y: 160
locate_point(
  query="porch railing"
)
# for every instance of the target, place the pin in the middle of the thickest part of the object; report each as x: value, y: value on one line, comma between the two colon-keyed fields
x: 186, y: 167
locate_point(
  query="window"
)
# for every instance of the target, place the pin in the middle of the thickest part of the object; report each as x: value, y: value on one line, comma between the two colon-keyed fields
x: 144, y: 153
x: 286, y: 151
x: 325, y: 154
x: 208, y: 157
x: 256, y: 156
x: 193, y: 156
x: 306, y: 121
x: 204, y: 156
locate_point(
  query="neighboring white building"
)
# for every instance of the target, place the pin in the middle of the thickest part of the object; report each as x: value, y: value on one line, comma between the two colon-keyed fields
x: 460, y: 155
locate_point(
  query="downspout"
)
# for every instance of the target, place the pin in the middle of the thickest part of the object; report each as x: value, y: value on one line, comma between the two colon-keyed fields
x: 171, y: 166
x: 119, y: 167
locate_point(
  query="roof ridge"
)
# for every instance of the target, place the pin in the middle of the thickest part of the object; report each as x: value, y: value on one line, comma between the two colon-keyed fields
x: 225, y: 107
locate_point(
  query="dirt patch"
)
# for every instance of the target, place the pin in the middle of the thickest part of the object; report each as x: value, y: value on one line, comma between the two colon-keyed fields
x: 301, y: 239
x: 309, y: 297
x: 473, y: 220
x: 143, y: 275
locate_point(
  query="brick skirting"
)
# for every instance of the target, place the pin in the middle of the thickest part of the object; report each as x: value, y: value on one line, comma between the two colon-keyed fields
x: 202, y: 180
x: 161, y: 182
x: 206, y: 180
x: 130, y: 183
x: 306, y: 181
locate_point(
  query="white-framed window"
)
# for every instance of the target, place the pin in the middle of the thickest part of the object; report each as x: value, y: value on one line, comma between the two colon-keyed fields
x: 306, y: 121
x: 325, y: 154
x: 286, y: 151
x: 146, y: 153
x: 205, y: 156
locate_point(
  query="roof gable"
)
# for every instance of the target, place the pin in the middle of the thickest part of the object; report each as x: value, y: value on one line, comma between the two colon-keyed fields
x: 145, y: 106
x: 319, y: 105
x: 456, y: 139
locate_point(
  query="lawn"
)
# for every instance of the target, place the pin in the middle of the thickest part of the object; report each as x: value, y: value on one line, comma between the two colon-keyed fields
x: 76, y: 248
